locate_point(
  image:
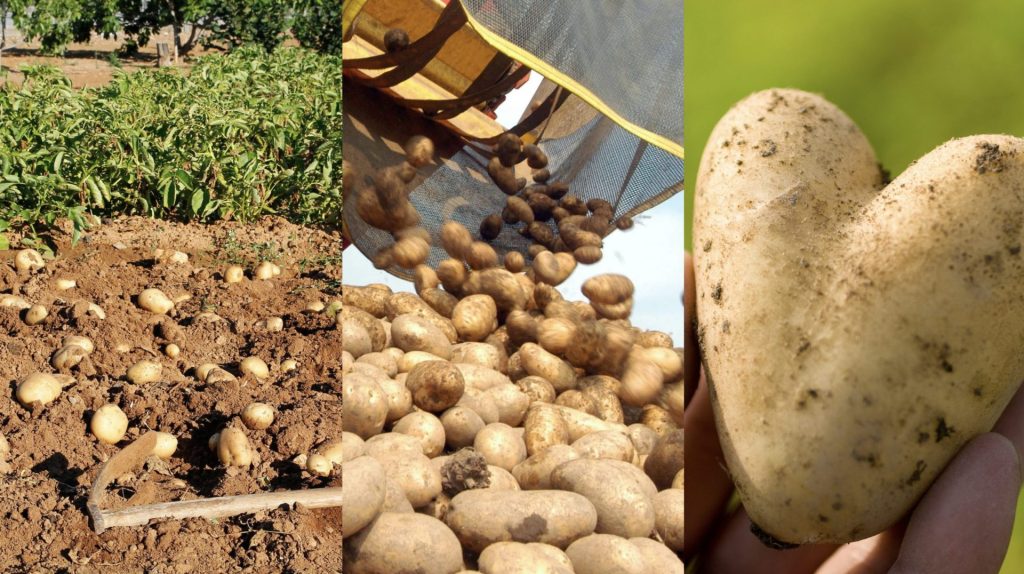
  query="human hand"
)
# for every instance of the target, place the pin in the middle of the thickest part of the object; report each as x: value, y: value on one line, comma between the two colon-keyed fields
x: 962, y: 524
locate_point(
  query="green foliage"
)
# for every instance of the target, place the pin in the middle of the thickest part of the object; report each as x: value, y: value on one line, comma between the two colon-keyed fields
x: 317, y: 24
x: 240, y: 136
x: 52, y: 22
x: 240, y: 22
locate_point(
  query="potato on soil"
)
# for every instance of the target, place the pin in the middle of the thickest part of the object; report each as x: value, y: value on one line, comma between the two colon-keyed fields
x: 258, y: 416
x: 234, y: 448
x: 155, y: 301
x: 109, y: 424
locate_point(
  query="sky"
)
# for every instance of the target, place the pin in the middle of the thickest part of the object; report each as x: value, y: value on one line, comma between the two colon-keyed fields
x: 651, y: 253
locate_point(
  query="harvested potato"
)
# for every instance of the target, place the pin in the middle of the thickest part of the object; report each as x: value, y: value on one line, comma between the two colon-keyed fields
x: 923, y: 240
x: 435, y: 385
x: 363, y: 493
x: 566, y: 516
x: 403, y: 542
x: 35, y: 315
x: 500, y: 445
x: 621, y: 494
x: 606, y: 554
x: 519, y: 558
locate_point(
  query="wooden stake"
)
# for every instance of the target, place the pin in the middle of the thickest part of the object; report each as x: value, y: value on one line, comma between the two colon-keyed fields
x: 136, y: 453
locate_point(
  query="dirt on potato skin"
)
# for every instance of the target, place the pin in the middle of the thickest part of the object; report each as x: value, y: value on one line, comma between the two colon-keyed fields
x: 54, y: 458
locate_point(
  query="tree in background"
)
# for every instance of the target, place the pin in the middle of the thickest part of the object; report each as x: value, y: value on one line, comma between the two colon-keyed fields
x: 239, y: 22
x: 317, y: 24
x: 212, y: 23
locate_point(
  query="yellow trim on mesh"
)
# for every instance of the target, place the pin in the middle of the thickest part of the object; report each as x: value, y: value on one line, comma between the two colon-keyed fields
x: 555, y: 75
x: 349, y: 12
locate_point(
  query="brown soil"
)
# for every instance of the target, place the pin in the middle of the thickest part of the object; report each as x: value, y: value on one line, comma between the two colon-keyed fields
x: 54, y: 458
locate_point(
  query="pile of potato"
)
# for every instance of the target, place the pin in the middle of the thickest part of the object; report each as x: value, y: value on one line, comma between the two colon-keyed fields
x: 494, y: 425
x: 547, y: 214
x: 109, y: 424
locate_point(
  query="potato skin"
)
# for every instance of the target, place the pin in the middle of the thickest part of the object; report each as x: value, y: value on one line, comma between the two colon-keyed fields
x: 624, y: 504
x: 403, y: 542
x: 565, y: 516
x: 835, y: 451
x: 363, y: 492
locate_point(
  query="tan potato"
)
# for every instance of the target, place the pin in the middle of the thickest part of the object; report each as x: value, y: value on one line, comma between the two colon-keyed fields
x: 556, y: 334
x: 519, y: 558
x: 109, y: 424
x: 540, y: 363
x: 514, y: 261
x: 385, y: 362
x: 642, y: 380
x: 409, y: 304
x: 28, y: 260
x: 608, y: 289
x: 461, y: 425
x: 144, y: 372
x: 419, y: 150
x: 666, y: 459
x: 399, y: 398
x: 481, y: 256
x: 155, y: 301
x: 500, y: 445
x: 440, y: 301
x: 413, y: 333
x: 606, y: 402
x: 566, y: 516
x: 544, y: 428
x: 410, y: 252
x: 613, y: 445
x: 408, y: 361
x: 622, y: 496
x: 658, y: 419
x: 365, y: 406
x: 356, y: 340
x: 427, y: 428
x: 455, y: 239
x: 372, y: 299
x: 258, y: 416
x: 642, y: 437
x: 508, y: 291
x: 352, y: 446
x: 435, y: 385
x: 577, y: 400
x: 67, y: 357
x: 403, y: 542
x: 481, y: 354
x: 234, y: 448
x: 581, y: 424
x: 606, y: 554
x: 483, y: 405
x: 534, y: 473
x: 501, y: 479
x: 669, y: 512
x: 511, y: 402
x: 363, y: 493
x: 537, y: 389
x: 481, y: 378
x: 394, y: 498
x: 373, y: 326
x: 475, y: 317
x: 419, y: 480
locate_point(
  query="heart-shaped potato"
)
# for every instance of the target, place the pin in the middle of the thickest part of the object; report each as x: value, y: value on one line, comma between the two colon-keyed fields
x: 855, y: 334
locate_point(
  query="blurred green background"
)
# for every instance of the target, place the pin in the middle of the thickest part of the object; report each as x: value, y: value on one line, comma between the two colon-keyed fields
x: 912, y: 74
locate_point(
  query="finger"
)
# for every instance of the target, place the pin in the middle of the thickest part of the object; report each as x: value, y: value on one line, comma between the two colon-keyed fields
x: 964, y: 521
x: 708, y: 484
x: 691, y: 354
x: 1011, y: 423
x: 873, y: 555
x: 736, y: 550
